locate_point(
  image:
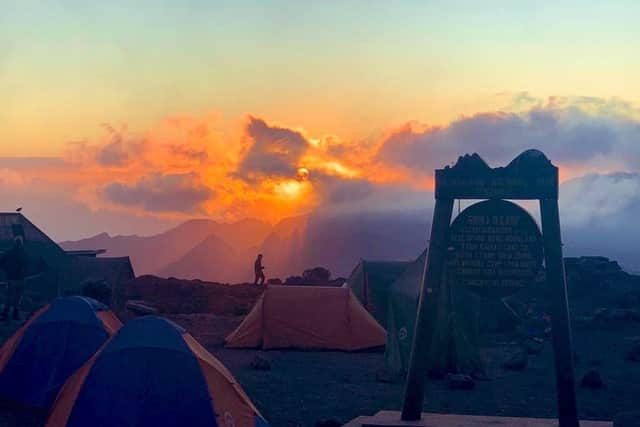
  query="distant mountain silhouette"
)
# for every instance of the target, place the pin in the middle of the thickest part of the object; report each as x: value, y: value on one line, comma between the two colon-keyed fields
x: 151, y: 254
x: 283, y: 248
x: 212, y: 259
x: 208, y: 250
x: 339, y: 242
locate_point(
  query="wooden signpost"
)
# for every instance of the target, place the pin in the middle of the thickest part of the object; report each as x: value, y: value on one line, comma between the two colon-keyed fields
x: 495, y: 248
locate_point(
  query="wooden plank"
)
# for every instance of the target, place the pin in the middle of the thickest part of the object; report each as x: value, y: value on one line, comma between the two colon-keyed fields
x: 560, y: 320
x: 529, y: 176
x: 392, y: 419
x: 427, y: 309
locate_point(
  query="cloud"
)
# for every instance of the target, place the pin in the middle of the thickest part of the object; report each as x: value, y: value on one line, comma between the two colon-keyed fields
x: 273, y: 151
x: 113, y: 154
x: 595, y: 198
x: 199, y: 155
x: 599, y: 213
x: 161, y: 193
x: 568, y: 137
x: 119, y: 149
x: 187, y: 164
x: 338, y: 190
x: 10, y: 178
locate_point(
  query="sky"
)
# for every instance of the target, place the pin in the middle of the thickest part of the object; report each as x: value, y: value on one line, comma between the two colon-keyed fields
x: 128, y: 119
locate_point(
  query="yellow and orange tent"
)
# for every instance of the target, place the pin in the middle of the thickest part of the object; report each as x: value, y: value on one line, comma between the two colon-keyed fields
x: 308, y: 317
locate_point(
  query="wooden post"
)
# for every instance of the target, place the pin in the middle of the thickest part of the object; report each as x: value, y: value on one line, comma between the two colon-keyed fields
x: 565, y: 377
x: 427, y: 309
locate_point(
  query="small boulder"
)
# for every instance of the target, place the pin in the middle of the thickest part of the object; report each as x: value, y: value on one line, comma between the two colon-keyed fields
x: 533, y: 345
x: 480, y: 375
x: 460, y: 382
x: 517, y: 362
x: 616, y: 316
x: 627, y: 419
x: 259, y: 363
x: 385, y: 376
x: 141, y: 308
x: 592, y: 380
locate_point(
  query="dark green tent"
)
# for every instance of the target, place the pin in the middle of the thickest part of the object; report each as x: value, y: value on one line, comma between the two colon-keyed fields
x: 453, y: 348
x: 370, y: 282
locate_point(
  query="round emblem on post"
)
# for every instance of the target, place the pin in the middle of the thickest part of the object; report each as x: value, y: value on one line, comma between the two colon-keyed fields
x: 402, y: 334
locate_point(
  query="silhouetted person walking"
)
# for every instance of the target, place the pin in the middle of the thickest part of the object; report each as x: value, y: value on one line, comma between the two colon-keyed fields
x: 258, y: 269
x: 14, y: 263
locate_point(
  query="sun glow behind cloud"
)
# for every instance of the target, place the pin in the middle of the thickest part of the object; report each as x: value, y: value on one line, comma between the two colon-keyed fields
x: 187, y: 165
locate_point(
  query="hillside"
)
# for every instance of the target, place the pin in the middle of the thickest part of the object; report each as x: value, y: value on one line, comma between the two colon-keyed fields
x: 212, y: 259
x: 207, y: 250
x: 154, y: 253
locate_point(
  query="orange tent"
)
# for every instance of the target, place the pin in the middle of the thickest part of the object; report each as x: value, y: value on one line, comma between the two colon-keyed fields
x: 308, y: 317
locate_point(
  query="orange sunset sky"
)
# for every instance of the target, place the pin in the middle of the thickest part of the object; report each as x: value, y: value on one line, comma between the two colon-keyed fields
x: 131, y: 118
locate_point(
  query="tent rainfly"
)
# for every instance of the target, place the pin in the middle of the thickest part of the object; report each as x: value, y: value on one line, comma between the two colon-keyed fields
x: 370, y: 282
x: 57, y: 340
x: 452, y: 347
x: 153, y: 373
x: 308, y: 317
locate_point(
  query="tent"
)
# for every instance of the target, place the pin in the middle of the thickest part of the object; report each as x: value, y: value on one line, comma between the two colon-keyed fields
x: 370, y: 282
x: 153, y: 373
x: 58, y: 339
x: 453, y: 347
x: 308, y: 317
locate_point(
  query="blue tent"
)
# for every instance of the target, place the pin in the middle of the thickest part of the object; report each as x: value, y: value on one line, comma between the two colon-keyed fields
x: 57, y: 340
x: 152, y: 373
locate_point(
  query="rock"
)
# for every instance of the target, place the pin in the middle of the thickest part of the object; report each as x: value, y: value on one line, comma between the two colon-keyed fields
x: 625, y: 314
x: 274, y: 281
x: 480, y: 375
x: 629, y: 299
x: 634, y: 353
x: 329, y: 423
x: 533, y: 345
x: 627, y: 419
x: 592, y: 380
x: 517, y: 362
x: 259, y: 363
x: 616, y: 315
x: 140, y: 307
x: 385, y: 376
x: 460, y: 382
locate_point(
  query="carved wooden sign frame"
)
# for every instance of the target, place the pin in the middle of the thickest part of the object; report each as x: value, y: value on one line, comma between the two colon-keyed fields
x: 530, y: 176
